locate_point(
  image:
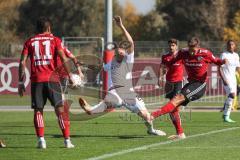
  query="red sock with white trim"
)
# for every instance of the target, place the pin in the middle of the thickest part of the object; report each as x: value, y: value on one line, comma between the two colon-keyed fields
x: 64, y: 123
x: 39, y: 124
x: 176, y: 120
x: 169, y: 107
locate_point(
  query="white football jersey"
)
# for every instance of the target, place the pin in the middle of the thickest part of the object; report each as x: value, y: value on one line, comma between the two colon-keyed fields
x: 120, y: 74
x: 228, y: 70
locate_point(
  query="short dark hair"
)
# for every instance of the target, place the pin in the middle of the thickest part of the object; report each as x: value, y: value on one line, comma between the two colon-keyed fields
x: 42, y: 24
x: 173, y: 40
x: 229, y: 41
x: 194, y: 42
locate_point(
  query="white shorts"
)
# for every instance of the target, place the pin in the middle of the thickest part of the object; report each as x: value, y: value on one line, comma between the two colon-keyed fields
x: 133, y: 104
x: 232, y: 88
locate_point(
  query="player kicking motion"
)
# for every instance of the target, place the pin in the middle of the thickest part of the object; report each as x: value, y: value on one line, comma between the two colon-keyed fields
x: 195, y: 60
x: 174, y: 81
x: 227, y: 73
x: 43, y: 50
x: 119, y: 93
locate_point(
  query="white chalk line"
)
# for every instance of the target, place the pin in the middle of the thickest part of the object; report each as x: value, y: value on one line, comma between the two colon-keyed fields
x: 145, y: 147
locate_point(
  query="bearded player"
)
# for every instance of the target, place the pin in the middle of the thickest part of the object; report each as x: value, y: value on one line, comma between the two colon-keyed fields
x: 120, y: 82
x: 196, y: 61
x: 174, y: 80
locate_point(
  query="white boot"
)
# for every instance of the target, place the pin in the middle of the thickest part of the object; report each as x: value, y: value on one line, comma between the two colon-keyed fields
x: 68, y: 143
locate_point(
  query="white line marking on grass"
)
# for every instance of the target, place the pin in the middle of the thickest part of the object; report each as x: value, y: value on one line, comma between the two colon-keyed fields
x: 199, y: 147
x: 145, y: 147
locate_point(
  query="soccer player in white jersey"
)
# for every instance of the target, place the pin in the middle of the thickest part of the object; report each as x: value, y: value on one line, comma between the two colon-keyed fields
x: 120, y: 82
x: 227, y: 73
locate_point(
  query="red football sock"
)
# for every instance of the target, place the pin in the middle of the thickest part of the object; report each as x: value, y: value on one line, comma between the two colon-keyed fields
x: 176, y: 120
x: 64, y: 123
x: 169, y: 107
x: 39, y: 124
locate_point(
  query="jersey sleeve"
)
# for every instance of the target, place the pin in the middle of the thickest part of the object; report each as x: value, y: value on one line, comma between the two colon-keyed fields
x: 212, y: 59
x: 130, y: 57
x: 171, y: 59
x: 25, y: 50
x: 67, y: 52
x: 59, y: 45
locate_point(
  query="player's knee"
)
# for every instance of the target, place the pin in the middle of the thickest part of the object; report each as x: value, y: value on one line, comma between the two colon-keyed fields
x: 231, y: 95
x: 38, y: 110
x: 113, y: 100
x: 137, y: 107
x: 178, y: 99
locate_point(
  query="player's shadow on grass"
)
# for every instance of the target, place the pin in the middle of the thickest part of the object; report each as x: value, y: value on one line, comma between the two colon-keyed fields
x: 105, y: 136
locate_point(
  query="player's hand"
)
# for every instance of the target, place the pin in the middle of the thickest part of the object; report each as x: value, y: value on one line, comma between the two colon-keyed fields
x: 225, y: 61
x: 118, y: 21
x: 21, y: 89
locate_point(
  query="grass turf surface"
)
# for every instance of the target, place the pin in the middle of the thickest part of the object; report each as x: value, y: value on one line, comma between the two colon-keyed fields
x: 112, y: 133
x: 15, y: 100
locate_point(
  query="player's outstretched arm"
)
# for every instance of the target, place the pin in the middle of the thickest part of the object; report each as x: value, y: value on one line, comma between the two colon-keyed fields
x: 21, y: 74
x: 119, y: 23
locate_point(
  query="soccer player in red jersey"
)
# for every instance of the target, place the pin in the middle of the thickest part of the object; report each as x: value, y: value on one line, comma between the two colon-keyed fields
x: 196, y: 61
x: 174, y: 80
x: 44, y: 50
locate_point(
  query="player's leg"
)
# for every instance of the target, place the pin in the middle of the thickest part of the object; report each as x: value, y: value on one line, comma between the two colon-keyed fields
x: 38, y: 101
x: 174, y: 115
x: 137, y: 106
x: 55, y: 97
x: 190, y: 92
x: 176, y: 120
x: 112, y: 99
x: 227, y: 108
x: 170, y: 106
x: 230, y: 90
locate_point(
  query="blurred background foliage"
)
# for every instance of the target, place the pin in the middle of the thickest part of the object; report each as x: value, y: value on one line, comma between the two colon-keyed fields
x: 211, y: 20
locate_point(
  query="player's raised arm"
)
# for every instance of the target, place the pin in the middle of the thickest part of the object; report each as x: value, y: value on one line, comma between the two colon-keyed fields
x: 119, y: 23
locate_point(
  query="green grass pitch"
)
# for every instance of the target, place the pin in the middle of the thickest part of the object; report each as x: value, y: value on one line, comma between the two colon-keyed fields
x: 116, y: 132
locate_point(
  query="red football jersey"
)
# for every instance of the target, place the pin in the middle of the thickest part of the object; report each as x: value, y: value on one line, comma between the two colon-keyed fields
x: 196, y: 65
x: 42, y: 50
x: 175, y: 70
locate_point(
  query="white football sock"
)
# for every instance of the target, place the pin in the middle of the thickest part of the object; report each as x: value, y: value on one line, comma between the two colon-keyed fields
x: 149, y: 124
x: 99, y: 108
x: 228, y: 106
